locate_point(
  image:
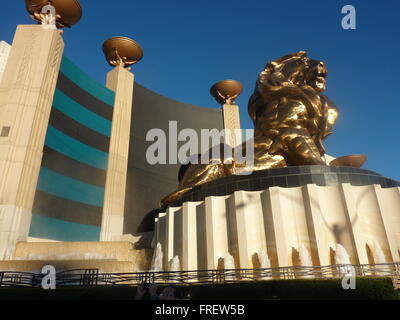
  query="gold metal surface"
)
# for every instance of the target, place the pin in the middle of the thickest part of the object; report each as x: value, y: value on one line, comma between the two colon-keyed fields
x: 291, y: 119
x: 68, y: 12
x: 353, y: 160
x: 122, y: 51
x: 289, y: 112
x: 226, y: 91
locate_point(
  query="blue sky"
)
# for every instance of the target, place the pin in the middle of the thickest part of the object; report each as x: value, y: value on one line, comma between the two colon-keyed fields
x: 189, y: 45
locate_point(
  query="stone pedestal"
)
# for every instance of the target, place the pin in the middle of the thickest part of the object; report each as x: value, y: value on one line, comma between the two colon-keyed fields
x: 26, y: 96
x: 284, y: 212
x: 121, y: 81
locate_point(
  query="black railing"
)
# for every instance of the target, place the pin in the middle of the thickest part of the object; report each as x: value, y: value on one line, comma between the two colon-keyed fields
x: 92, y: 277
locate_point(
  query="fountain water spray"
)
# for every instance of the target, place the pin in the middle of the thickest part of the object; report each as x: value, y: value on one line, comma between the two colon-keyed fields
x: 265, y: 263
x: 305, y: 260
x: 157, y: 262
x: 305, y: 257
x: 343, y: 258
x: 379, y: 255
x: 229, y: 264
x: 175, y: 264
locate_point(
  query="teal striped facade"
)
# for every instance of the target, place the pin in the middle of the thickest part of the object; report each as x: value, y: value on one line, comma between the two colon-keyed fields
x: 70, y: 192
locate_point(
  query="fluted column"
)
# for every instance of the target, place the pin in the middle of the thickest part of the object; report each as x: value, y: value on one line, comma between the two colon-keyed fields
x: 295, y: 223
x: 121, y: 81
x: 319, y: 235
x: 189, y: 239
x: 170, y: 239
x: 247, y: 233
x: 216, y: 231
x: 26, y: 96
x: 354, y: 227
x: 178, y: 234
x: 389, y: 205
x: 274, y: 227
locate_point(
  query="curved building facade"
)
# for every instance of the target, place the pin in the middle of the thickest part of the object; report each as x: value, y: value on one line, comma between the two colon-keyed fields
x: 70, y: 192
x: 69, y: 198
x: 147, y: 184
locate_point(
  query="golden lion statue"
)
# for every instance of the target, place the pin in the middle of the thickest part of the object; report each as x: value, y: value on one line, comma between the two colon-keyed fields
x: 291, y: 119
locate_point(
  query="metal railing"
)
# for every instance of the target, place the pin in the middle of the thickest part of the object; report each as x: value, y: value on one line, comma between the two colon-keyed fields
x: 92, y: 277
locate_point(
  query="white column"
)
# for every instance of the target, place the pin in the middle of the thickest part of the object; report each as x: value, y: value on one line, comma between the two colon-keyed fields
x: 274, y: 227
x: 319, y: 235
x: 355, y: 227
x: 201, y: 236
x: 389, y: 205
x: 178, y: 234
x: 216, y: 230
x: 169, y: 245
x: 26, y: 96
x: 295, y: 225
x: 247, y: 227
x: 189, y: 238
x: 121, y: 81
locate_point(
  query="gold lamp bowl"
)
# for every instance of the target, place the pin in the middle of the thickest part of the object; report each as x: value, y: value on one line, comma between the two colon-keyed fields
x: 226, y: 91
x: 353, y: 160
x: 68, y: 12
x: 122, y: 51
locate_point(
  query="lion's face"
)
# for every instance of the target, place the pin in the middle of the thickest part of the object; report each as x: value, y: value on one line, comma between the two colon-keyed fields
x: 296, y: 70
x: 304, y: 71
x: 286, y: 76
x: 315, y: 75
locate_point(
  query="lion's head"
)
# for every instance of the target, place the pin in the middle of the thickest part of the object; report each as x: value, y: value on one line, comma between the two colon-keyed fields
x: 295, y: 70
x: 290, y: 74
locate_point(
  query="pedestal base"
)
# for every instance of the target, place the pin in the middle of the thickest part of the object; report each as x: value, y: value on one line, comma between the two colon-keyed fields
x: 296, y: 215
